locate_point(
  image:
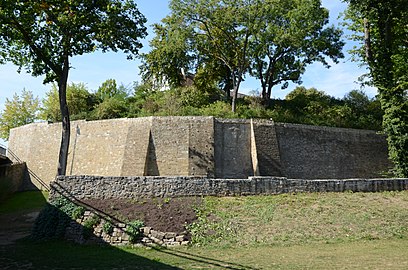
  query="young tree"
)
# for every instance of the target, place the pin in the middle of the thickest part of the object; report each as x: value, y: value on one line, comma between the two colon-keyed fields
x: 19, y: 111
x: 381, y: 28
x: 42, y: 36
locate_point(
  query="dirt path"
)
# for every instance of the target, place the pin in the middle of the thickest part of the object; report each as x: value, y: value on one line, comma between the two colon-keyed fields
x: 16, y: 226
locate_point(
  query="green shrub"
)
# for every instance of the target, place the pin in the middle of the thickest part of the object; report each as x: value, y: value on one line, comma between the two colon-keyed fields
x: 218, y: 109
x: 55, y: 217
x: 89, y: 224
x: 133, y: 230
x: 107, y: 227
x: 50, y: 223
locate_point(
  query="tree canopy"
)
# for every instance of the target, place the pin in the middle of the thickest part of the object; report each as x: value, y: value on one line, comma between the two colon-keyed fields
x: 381, y: 28
x: 18, y: 111
x: 226, y: 40
x: 41, y: 36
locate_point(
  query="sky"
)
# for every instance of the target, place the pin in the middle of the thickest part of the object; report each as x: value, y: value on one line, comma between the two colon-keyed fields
x: 93, y: 69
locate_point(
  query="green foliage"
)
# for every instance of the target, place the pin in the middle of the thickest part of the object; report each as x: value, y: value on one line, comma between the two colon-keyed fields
x: 169, y: 55
x: 54, y: 218
x: 19, y: 111
x: 381, y: 29
x: 50, y: 223
x: 222, y: 41
x: 310, y: 106
x: 396, y: 127
x: 113, y: 107
x: 89, y: 225
x: 218, y: 109
x: 288, y: 36
x: 43, y: 36
x: 133, y: 230
x: 79, y: 101
x: 108, y: 227
x: 77, y: 212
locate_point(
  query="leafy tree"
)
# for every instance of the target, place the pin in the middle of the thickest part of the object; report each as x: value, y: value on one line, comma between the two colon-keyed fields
x: 365, y: 112
x: 114, y: 101
x: 170, y: 54
x: 222, y: 31
x: 80, y: 102
x: 42, y: 36
x: 109, y: 89
x: 381, y: 29
x: 18, y: 111
x: 222, y: 40
x: 289, y: 36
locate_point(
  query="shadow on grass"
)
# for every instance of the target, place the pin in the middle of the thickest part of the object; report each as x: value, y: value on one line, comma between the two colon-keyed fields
x: 27, y: 254
x: 210, y: 262
x: 172, y: 253
x: 47, y: 249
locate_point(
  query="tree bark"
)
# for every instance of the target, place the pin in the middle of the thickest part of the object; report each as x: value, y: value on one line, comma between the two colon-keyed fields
x: 66, y: 129
x: 236, y: 81
x: 367, y: 40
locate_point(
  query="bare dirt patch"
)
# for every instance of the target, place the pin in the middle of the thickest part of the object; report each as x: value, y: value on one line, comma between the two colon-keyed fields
x: 166, y: 215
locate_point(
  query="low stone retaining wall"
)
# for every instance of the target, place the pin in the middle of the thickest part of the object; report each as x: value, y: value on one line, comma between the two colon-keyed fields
x: 88, y: 187
x: 76, y: 188
x: 118, y: 235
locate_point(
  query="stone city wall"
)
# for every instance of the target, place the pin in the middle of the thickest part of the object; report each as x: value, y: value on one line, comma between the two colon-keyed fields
x: 311, y: 152
x: 202, y: 146
x: 94, y: 187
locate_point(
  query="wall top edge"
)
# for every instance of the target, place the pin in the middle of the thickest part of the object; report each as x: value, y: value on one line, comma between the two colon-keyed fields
x: 219, y: 120
x: 251, y: 178
x: 338, y: 129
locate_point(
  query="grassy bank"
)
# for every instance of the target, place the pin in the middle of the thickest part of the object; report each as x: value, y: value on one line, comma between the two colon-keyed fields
x: 297, y: 219
x: 291, y: 231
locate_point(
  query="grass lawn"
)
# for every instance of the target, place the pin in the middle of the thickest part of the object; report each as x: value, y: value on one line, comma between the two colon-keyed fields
x: 374, y: 254
x: 290, y: 231
x: 22, y: 201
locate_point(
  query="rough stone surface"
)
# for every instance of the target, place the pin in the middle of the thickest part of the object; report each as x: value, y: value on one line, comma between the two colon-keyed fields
x: 311, y: 152
x: 202, y: 146
x: 118, y: 236
x: 91, y: 187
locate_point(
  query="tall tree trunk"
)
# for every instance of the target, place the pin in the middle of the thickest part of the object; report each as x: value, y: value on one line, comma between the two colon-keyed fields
x: 367, y: 40
x: 236, y: 82
x: 66, y: 129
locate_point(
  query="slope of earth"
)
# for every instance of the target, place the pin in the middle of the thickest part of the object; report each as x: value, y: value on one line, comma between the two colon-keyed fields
x: 166, y: 215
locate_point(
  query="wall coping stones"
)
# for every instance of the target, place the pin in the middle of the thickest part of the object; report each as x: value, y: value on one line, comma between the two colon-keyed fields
x: 86, y: 187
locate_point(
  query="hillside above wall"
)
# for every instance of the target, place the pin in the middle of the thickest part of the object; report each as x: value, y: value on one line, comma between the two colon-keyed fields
x: 202, y: 146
